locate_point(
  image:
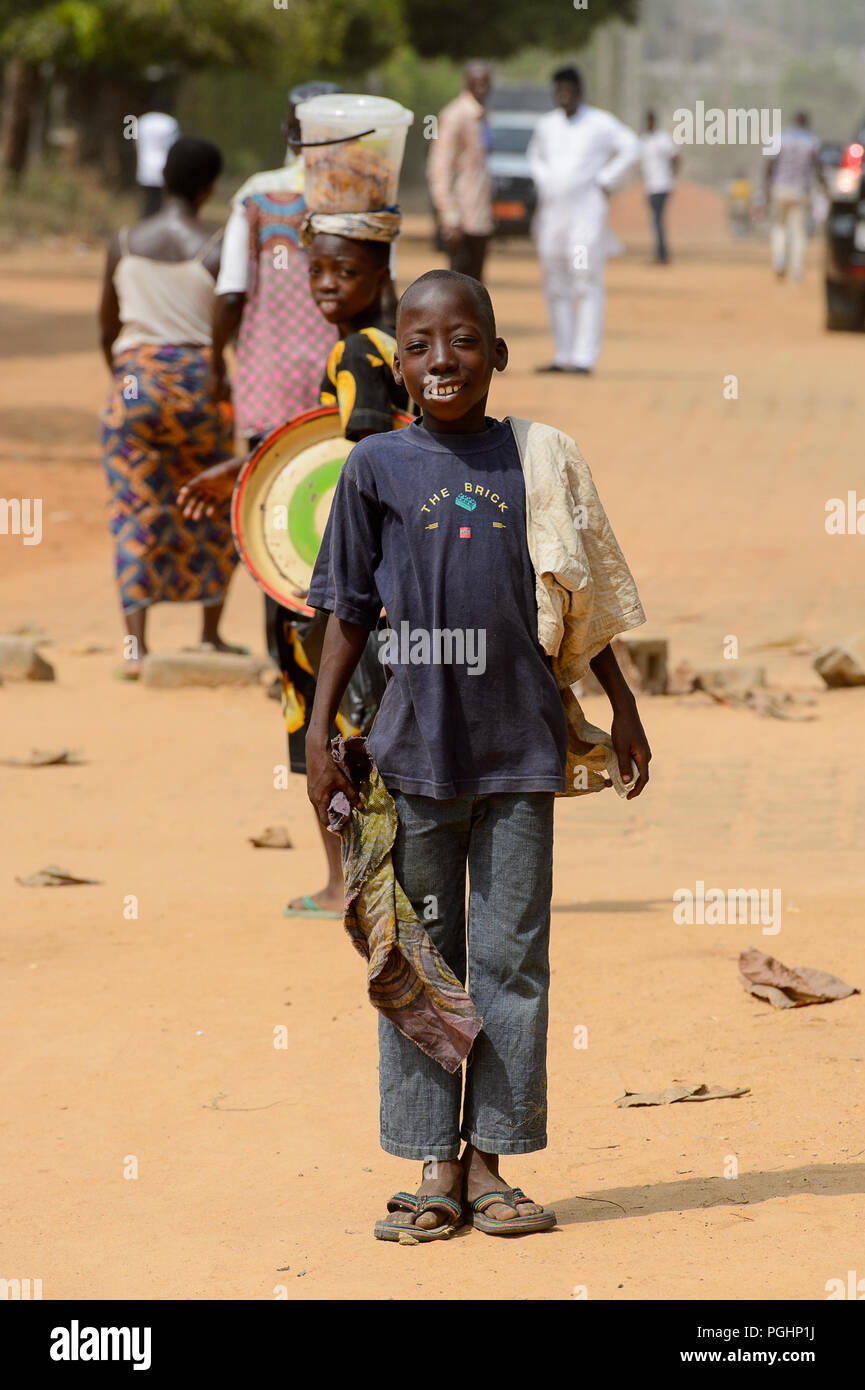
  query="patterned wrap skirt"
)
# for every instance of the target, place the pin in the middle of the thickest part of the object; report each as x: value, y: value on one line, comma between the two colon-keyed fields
x: 159, y: 429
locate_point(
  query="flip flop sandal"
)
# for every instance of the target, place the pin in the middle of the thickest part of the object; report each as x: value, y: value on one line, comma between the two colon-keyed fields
x: 407, y: 1201
x: 518, y: 1225
x: 312, y: 909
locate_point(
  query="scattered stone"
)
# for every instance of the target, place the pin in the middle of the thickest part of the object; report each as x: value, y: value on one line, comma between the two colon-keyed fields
x: 770, y: 704
x: 171, y: 670
x: 20, y: 660
x: 781, y: 705
x: 68, y: 756
x: 794, y: 644
x: 732, y: 676
x: 273, y: 837
x: 52, y: 877
x: 405, y: 1239
x: 842, y: 664
x: 681, y: 680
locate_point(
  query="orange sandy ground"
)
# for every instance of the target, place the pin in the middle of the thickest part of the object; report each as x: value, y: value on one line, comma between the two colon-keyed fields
x: 259, y: 1169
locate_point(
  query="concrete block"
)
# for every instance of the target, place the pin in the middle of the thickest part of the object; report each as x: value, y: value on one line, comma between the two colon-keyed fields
x: 649, y: 656
x: 643, y: 664
x: 681, y: 679
x: 170, y: 670
x: 20, y: 660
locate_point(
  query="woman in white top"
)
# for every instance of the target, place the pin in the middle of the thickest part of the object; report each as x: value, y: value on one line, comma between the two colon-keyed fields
x: 160, y: 426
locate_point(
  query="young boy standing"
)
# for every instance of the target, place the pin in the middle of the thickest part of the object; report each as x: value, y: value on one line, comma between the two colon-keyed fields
x: 430, y: 521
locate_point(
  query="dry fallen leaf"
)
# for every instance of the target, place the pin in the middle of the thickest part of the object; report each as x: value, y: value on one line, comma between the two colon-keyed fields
x: 680, y: 1093
x: 789, y: 987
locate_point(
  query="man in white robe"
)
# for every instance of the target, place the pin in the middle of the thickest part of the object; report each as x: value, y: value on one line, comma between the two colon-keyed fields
x: 578, y: 156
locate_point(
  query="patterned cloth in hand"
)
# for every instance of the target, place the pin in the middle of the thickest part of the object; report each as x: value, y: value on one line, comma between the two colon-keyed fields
x: 408, y: 980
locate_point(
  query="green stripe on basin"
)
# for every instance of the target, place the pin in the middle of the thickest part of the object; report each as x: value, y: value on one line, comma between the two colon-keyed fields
x: 301, y: 508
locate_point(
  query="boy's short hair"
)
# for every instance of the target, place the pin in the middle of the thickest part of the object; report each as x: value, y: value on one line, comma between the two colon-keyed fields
x: 191, y: 167
x: 478, y: 292
x: 569, y: 74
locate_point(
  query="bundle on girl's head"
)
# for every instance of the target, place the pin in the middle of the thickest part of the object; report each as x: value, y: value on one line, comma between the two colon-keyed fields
x: 381, y: 225
x: 352, y: 155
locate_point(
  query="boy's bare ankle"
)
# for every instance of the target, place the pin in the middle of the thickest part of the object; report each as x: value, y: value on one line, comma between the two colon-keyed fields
x: 441, y: 1174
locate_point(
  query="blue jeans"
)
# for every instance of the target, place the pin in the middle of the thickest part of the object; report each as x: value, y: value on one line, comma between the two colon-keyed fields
x: 657, y: 202
x: 505, y: 841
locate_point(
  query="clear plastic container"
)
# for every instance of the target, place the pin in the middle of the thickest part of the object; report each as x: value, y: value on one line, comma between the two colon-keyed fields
x: 358, y: 175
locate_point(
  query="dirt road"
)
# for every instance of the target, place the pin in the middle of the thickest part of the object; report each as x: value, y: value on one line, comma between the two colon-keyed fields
x: 151, y: 1038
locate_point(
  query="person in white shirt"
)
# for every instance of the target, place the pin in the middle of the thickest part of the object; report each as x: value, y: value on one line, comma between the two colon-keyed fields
x: 157, y: 132
x: 660, y: 161
x: 790, y: 179
x: 577, y: 155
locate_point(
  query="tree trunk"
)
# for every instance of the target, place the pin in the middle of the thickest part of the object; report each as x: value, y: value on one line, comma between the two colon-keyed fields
x: 99, y: 103
x: 20, y: 82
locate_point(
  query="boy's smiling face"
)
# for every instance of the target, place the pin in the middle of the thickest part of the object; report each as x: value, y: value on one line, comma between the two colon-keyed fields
x: 446, y: 355
x: 346, y: 277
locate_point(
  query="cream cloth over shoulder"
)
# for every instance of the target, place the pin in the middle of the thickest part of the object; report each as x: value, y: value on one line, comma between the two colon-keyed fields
x: 585, y: 592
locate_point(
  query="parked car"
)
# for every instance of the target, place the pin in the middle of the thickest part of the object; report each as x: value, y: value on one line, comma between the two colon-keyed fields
x: 845, y: 234
x: 513, y: 189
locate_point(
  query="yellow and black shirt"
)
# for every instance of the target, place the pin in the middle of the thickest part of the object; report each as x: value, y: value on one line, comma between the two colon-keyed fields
x: 359, y: 379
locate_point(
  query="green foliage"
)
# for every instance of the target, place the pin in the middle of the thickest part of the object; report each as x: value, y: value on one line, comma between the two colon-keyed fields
x: 127, y: 36
x: 337, y: 37
x: 831, y: 94
x: 438, y: 28
x: 73, y: 31
x: 244, y: 116
x: 424, y: 86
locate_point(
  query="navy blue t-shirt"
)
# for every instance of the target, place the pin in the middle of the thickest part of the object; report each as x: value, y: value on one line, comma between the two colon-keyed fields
x: 432, y: 527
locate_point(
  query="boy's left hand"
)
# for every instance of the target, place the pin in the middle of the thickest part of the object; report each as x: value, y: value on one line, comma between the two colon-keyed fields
x: 629, y: 741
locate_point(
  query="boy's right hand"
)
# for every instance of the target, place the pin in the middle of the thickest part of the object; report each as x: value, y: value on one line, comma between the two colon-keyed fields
x: 323, y: 778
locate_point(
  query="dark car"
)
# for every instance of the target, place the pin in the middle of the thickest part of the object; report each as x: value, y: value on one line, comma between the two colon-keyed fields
x: 845, y: 235
x: 513, y: 189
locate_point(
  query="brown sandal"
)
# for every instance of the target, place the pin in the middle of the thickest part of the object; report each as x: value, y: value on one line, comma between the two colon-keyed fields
x: 407, y: 1201
x: 518, y: 1225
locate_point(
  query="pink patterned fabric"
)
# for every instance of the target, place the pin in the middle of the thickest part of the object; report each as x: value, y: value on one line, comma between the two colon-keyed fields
x: 283, y: 342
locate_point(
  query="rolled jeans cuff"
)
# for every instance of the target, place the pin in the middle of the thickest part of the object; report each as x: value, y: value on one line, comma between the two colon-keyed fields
x: 443, y: 1152
x: 504, y: 1146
